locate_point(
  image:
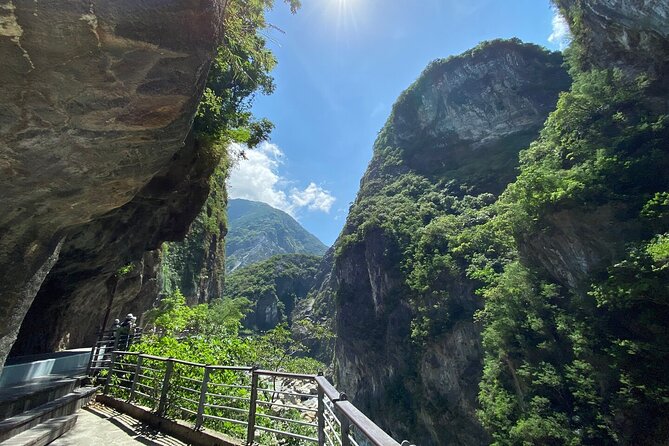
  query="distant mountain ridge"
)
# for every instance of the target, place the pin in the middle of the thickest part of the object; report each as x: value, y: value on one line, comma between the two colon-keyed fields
x: 257, y: 231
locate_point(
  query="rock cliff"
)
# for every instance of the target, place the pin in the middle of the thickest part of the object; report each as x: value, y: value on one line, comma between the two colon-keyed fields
x: 92, y: 255
x: 573, y: 258
x: 570, y: 247
x: 627, y: 34
x: 575, y: 326
x: 451, y: 142
x: 274, y: 287
x: 196, y: 265
x: 98, y: 99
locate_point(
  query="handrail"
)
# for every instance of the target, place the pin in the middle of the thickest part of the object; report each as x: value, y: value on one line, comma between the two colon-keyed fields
x: 109, y: 340
x: 126, y: 371
x: 373, y: 432
x: 328, y: 388
x: 231, y: 367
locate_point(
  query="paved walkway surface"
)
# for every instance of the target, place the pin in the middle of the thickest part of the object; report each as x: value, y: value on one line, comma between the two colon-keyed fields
x: 100, y: 425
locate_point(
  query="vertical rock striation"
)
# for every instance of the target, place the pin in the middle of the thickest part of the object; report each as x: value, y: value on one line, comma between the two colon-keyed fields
x: 196, y: 265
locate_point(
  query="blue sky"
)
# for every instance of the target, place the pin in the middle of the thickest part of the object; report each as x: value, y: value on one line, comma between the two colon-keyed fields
x: 342, y: 64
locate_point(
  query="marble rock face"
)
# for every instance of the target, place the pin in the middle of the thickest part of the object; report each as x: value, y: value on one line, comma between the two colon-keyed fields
x: 97, y: 100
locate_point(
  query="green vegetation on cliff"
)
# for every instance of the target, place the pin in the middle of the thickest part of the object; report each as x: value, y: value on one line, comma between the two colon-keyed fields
x: 571, y: 261
x: 575, y: 341
x: 571, y: 359
x: 405, y: 304
x: 582, y: 358
x: 240, y: 70
x: 273, y: 287
x: 195, y: 266
x: 421, y: 209
x: 280, y: 292
x: 257, y: 231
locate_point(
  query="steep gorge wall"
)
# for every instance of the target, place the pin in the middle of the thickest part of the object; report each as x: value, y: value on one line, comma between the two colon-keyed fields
x: 452, y: 138
x: 574, y: 256
x: 196, y: 265
x: 632, y: 36
x: 98, y: 100
x: 592, y: 234
x: 274, y: 287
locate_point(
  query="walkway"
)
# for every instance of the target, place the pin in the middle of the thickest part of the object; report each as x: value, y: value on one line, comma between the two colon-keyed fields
x: 99, y: 425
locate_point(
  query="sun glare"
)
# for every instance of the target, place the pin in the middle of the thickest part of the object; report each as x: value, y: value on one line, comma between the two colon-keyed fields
x: 346, y: 13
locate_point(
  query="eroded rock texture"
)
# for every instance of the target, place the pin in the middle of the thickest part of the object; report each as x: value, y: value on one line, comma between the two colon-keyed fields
x: 97, y: 100
x: 70, y: 307
x: 461, y: 124
x: 628, y: 34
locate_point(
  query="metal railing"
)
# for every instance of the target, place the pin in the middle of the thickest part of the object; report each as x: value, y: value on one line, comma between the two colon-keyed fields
x: 108, y: 341
x: 259, y: 406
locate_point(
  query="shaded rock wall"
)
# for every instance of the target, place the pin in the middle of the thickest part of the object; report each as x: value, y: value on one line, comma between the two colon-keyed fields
x: 196, y: 265
x: 274, y: 286
x: 633, y: 36
x: 575, y: 243
x: 318, y: 307
x: 98, y: 98
x: 70, y: 307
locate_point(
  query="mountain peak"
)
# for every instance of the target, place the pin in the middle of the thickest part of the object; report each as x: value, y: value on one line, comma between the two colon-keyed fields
x: 258, y: 231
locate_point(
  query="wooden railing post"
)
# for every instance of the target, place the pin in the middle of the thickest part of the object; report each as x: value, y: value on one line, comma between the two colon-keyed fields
x: 135, y: 377
x: 251, y: 432
x: 199, y: 419
x: 321, y: 416
x: 110, y: 373
x: 162, y: 404
x: 345, y: 425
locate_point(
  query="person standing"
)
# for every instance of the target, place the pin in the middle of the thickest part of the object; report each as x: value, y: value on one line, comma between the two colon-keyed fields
x: 125, y: 330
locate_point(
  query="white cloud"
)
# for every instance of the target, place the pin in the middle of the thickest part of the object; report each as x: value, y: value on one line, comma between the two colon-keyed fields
x: 257, y: 178
x: 561, y: 34
x: 314, y: 198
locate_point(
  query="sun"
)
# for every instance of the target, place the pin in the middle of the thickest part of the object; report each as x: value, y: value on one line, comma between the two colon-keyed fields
x: 345, y: 12
x: 344, y: 5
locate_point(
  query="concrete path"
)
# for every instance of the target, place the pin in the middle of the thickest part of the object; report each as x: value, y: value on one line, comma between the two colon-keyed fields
x: 100, y: 425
